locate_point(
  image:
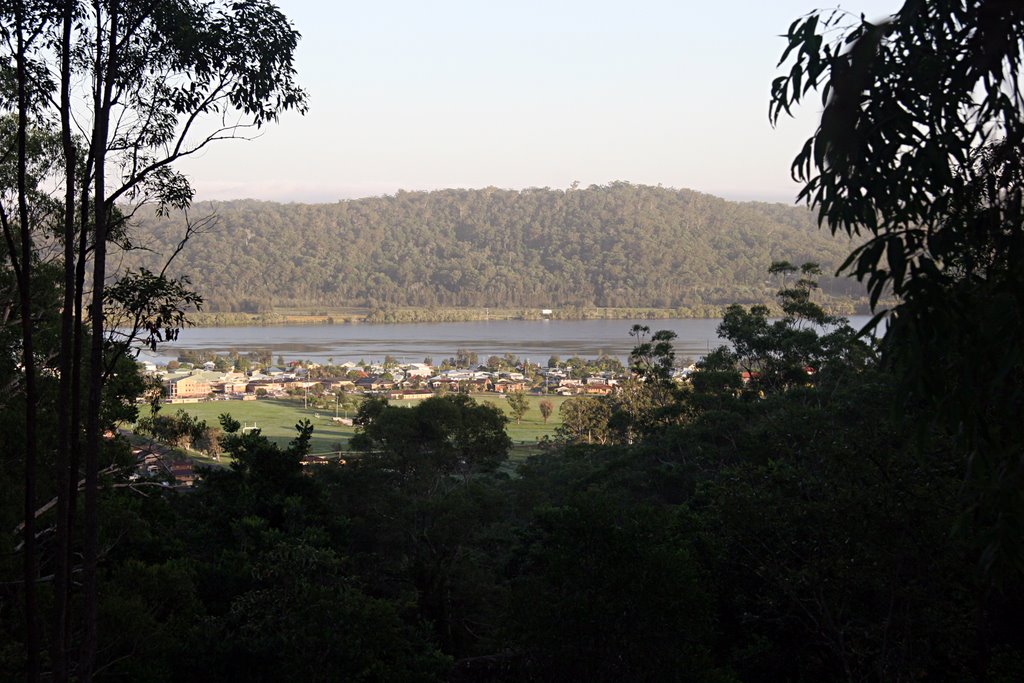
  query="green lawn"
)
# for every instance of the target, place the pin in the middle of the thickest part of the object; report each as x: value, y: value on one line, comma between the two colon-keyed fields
x: 276, y: 419
x: 532, y: 427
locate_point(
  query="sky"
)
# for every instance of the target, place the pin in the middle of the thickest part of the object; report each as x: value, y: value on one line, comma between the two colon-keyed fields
x: 451, y: 93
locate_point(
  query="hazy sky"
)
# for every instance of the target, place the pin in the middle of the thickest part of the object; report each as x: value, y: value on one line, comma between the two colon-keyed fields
x: 425, y: 95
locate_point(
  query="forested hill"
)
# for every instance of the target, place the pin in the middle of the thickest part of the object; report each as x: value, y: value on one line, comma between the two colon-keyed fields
x: 619, y: 245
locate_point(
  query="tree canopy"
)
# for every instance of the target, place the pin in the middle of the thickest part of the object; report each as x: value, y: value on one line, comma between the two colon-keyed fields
x: 619, y: 245
x: 919, y: 150
x: 98, y: 101
x: 441, y: 435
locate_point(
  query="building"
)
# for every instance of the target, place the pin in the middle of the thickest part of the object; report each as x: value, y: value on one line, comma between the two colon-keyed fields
x: 418, y: 370
x: 409, y: 394
x: 183, y: 473
x: 374, y: 384
x: 188, y: 386
x: 509, y: 386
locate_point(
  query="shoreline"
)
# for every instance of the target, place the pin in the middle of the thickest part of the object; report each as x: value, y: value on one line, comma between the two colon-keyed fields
x: 315, y: 316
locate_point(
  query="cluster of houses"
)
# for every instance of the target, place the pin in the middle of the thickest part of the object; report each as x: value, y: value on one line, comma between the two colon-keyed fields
x: 416, y: 380
x: 195, y: 385
x: 151, y: 462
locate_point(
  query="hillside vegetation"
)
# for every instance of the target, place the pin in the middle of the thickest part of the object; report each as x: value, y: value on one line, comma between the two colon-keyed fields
x: 619, y: 245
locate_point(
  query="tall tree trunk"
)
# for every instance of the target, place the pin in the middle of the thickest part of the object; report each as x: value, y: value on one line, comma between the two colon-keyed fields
x: 102, y: 97
x: 78, y: 343
x: 78, y: 356
x: 65, y: 477
x: 31, y: 572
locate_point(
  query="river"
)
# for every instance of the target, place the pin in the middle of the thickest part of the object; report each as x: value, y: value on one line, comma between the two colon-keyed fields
x: 533, y: 340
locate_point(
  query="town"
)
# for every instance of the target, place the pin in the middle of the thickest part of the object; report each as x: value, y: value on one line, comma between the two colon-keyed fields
x: 180, y: 440
x: 222, y: 378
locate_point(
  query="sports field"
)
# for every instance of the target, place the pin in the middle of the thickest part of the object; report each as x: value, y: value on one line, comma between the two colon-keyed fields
x: 276, y: 419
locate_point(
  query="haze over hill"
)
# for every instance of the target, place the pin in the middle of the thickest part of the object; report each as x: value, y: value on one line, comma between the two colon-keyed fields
x: 619, y: 245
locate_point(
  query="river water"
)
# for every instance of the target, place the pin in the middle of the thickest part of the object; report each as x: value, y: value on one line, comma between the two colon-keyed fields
x: 533, y: 340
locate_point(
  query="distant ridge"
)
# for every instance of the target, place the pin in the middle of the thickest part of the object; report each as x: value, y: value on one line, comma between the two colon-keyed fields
x: 617, y: 245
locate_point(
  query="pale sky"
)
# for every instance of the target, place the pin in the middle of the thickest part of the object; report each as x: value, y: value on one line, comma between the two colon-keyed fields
x: 476, y: 93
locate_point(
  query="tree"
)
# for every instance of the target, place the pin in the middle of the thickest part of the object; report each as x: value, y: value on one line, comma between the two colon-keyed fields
x: 653, y: 357
x: 22, y: 179
x: 577, y: 366
x: 612, y: 592
x: 144, y: 84
x: 584, y: 420
x: 919, y: 150
x: 519, y: 404
x: 795, y: 349
x: 464, y: 358
x: 638, y: 408
x: 546, y: 409
x: 211, y: 442
x: 854, y: 574
x: 300, y: 445
x: 442, y: 435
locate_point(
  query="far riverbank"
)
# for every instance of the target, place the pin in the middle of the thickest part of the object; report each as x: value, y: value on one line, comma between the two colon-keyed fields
x: 533, y: 340
x: 337, y: 316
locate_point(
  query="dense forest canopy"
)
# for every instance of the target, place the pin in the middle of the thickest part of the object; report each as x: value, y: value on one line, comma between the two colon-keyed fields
x: 619, y: 245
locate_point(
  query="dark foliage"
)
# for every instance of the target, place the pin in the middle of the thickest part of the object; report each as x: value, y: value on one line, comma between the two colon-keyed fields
x: 920, y: 151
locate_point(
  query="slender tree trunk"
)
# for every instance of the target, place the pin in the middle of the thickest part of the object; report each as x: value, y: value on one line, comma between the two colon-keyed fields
x: 32, y: 641
x: 78, y: 356
x: 65, y: 477
x: 78, y: 342
x: 102, y: 98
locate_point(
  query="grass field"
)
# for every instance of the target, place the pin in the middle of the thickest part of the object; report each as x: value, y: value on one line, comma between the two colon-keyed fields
x: 532, y: 427
x: 276, y: 419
